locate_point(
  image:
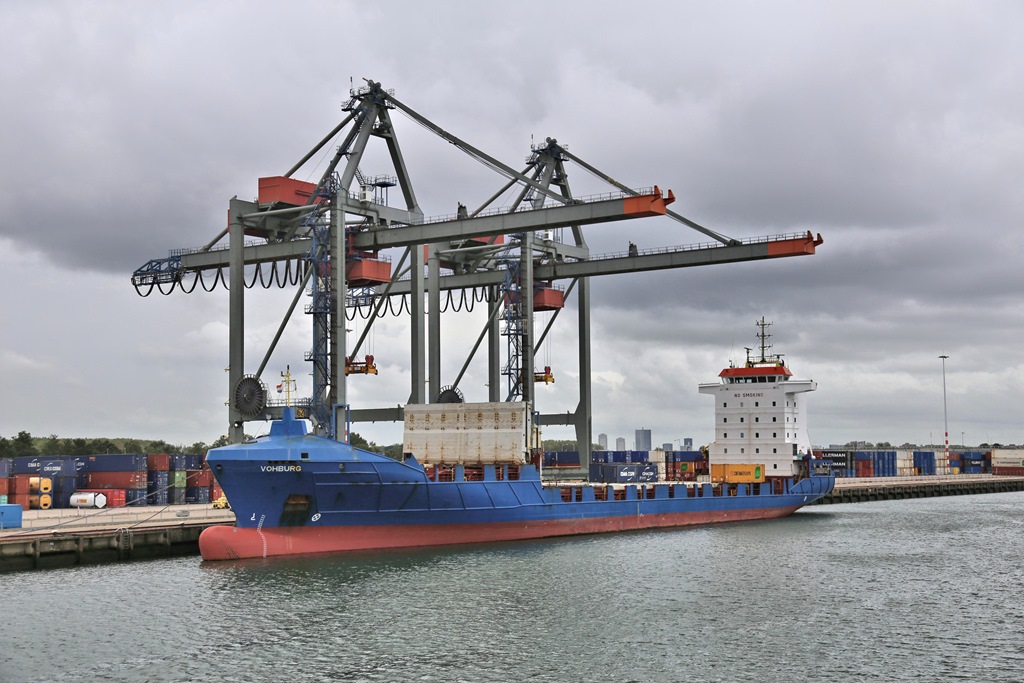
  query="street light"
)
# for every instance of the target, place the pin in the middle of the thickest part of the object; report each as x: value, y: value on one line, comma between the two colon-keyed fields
x: 945, y: 414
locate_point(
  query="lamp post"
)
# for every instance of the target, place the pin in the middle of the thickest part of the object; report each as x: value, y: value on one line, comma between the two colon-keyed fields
x: 945, y: 414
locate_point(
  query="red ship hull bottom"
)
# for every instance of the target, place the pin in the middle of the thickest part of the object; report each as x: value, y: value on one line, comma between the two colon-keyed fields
x: 234, y: 543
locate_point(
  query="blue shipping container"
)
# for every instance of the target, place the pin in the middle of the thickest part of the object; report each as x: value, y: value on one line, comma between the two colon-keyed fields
x: 5, y: 468
x: 178, y: 461
x: 117, y: 462
x: 10, y: 516
x: 197, y: 495
x: 135, y: 497
x: 159, y: 480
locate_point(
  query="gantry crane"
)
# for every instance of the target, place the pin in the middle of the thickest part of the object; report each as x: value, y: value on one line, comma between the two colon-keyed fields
x: 507, y: 258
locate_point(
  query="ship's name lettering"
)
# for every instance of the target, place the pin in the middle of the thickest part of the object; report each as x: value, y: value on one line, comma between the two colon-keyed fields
x: 749, y: 394
x: 280, y: 468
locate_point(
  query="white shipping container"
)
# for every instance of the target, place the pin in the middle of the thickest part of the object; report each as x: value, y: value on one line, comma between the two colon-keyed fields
x: 1004, y: 457
x: 467, y: 433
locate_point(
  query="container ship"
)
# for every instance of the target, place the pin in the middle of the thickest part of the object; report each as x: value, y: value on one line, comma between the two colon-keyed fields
x: 468, y: 475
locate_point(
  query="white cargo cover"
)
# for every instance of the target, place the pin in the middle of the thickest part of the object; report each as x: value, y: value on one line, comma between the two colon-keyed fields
x: 467, y: 433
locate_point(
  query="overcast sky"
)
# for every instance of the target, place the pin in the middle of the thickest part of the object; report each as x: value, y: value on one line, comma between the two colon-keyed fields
x: 896, y: 130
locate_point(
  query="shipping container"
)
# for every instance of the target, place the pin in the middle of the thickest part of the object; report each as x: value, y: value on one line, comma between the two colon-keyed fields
x: 159, y: 497
x: 26, y: 464
x: 117, y: 480
x: 158, y: 480
x: 178, y: 462
x: 647, y: 472
x: 176, y: 496
x: 45, y: 465
x: 29, y: 483
x: 1004, y: 457
x: 197, y: 495
x: 158, y: 462
x: 5, y: 468
x: 10, y: 516
x: 117, y: 462
x: 4, y: 485
x: 62, y: 499
x: 198, y: 478
x: 20, y: 499
x: 178, y: 479
x: 1002, y: 471
x: 737, y: 474
x: 136, y: 497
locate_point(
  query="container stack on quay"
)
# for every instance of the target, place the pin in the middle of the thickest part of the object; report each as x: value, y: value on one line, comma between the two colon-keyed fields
x: 111, y: 480
x: 621, y: 466
x: 1008, y: 463
x: 907, y: 463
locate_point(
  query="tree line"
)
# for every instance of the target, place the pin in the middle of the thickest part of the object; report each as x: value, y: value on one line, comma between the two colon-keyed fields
x: 24, y: 444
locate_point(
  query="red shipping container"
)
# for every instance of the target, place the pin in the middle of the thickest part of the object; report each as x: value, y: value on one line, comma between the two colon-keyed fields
x: 215, y: 492
x: 117, y: 480
x: 4, y: 486
x: 115, y: 497
x: 198, y: 479
x: 19, y: 499
x: 19, y: 483
x: 158, y: 462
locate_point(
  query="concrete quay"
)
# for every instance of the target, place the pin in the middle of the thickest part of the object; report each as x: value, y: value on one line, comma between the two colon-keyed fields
x: 865, y: 489
x: 61, y: 538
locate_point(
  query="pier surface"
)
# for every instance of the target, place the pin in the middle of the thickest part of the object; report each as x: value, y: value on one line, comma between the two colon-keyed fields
x: 864, y: 489
x: 61, y: 538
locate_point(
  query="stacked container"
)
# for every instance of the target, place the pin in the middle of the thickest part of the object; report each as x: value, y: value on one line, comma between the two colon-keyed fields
x: 924, y: 462
x: 120, y: 471
x: 972, y: 462
x: 562, y: 459
x: 1007, y: 462
x: 623, y: 473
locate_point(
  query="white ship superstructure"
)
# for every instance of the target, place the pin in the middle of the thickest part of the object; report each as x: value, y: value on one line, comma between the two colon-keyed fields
x: 758, y: 417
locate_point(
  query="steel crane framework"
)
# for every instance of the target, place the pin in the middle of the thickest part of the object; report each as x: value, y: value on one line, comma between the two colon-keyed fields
x: 508, y: 257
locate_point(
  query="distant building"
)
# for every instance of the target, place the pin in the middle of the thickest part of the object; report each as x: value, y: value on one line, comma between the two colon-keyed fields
x: 643, y: 439
x: 688, y: 444
x: 620, y: 443
x: 602, y: 441
x: 666, y: 446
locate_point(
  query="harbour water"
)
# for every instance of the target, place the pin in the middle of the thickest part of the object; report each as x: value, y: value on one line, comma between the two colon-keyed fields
x: 924, y: 589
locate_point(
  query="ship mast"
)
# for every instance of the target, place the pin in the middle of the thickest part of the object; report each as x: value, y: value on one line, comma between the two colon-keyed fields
x: 763, y: 337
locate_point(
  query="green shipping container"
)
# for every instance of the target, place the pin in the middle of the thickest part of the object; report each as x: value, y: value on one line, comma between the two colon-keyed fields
x: 178, y: 479
x: 3, y: 499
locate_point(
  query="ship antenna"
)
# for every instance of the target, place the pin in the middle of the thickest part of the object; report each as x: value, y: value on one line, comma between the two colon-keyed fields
x: 287, y: 385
